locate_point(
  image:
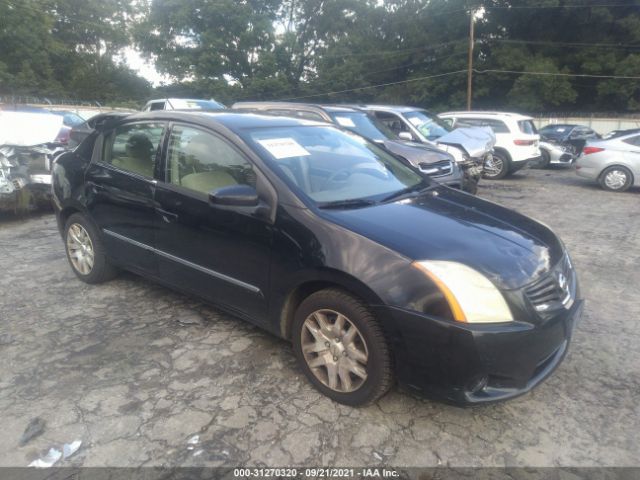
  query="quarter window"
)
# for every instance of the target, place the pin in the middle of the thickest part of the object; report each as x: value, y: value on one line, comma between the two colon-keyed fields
x: 203, y: 162
x: 134, y: 147
x: 633, y: 140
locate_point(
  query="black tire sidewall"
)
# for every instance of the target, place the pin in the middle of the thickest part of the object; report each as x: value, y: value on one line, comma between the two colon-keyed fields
x: 352, y: 309
x: 627, y: 184
x: 101, y: 269
x: 545, y: 159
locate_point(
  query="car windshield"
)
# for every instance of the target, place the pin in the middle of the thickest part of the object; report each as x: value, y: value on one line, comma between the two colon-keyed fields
x: 331, y: 166
x: 363, y: 124
x: 429, y: 125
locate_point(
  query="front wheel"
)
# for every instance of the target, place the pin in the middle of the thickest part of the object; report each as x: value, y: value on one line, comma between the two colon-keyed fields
x: 616, y: 179
x: 545, y: 159
x: 85, y: 251
x: 341, y: 348
x: 496, y: 166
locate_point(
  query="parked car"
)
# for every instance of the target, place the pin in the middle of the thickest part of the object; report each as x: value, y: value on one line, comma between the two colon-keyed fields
x: 619, y: 133
x: 555, y: 154
x: 516, y: 139
x: 613, y: 163
x: 432, y: 161
x: 182, y: 104
x: 568, y: 138
x: 471, y: 147
x: 29, y: 142
x: 369, y: 268
x: 79, y: 132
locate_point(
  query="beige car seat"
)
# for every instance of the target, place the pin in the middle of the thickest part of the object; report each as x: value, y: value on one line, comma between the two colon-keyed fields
x: 197, y: 156
x: 139, y: 156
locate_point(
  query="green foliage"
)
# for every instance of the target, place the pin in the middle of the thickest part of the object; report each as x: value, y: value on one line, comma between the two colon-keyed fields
x: 328, y: 50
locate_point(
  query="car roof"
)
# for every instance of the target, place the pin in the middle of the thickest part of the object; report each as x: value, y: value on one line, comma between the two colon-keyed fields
x: 388, y: 108
x: 488, y: 114
x: 234, y: 121
x: 294, y: 106
x: 563, y: 125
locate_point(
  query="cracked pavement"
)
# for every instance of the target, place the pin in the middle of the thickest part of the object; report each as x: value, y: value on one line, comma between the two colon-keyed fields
x: 135, y: 370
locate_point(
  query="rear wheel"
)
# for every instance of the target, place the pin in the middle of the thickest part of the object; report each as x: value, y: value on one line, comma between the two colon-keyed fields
x: 85, y: 251
x: 616, y: 179
x: 496, y: 166
x: 341, y: 348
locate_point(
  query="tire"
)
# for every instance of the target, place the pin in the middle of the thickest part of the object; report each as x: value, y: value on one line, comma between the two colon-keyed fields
x: 85, y: 251
x: 469, y: 183
x: 498, y: 168
x: 545, y: 159
x: 616, y: 178
x: 366, y: 352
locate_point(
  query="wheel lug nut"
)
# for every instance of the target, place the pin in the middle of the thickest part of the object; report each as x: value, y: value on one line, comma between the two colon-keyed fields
x: 344, y: 354
x: 335, y: 359
x: 327, y: 344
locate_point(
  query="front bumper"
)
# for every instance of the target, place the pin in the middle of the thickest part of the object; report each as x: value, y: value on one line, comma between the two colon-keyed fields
x: 468, y: 364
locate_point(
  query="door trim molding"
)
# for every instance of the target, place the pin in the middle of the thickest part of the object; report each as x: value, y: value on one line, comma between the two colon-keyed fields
x: 186, y: 263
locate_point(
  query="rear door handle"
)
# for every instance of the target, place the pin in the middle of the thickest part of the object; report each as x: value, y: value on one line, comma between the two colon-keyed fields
x: 167, y: 216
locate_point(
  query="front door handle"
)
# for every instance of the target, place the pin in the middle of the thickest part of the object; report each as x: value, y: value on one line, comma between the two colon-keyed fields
x: 167, y: 216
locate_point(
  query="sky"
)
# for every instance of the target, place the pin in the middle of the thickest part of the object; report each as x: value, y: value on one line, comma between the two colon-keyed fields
x: 142, y: 67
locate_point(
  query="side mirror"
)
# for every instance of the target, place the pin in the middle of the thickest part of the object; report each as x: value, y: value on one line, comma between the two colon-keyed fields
x: 405, y: 136
x: 235, y: 196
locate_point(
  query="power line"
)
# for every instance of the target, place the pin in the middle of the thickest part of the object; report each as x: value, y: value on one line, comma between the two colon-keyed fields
x: 374, y: 86
x: 567, y: 44
x: 559, y: 74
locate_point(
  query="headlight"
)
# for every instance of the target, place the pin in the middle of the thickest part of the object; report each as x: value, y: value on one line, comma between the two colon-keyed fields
x: 471, y: 296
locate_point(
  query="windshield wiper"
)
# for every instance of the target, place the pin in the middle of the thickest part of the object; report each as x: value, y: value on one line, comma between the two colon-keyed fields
x: 349, y: 202
x: 410, y: 191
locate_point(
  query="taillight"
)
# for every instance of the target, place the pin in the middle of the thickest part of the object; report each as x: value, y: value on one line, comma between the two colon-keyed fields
x: 588, y: 150
x: 524, y: 142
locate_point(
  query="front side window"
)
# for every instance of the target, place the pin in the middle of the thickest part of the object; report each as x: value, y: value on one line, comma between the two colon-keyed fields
x: 134, y: 147
x: 330, y: 165
x: 203, y: 162
x: 429, y: 126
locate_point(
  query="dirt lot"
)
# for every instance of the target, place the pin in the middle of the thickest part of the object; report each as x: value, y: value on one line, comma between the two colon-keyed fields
x: 135, y: 370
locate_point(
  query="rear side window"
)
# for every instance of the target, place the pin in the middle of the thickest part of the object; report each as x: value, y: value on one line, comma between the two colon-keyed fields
x: 203, y: 162
x: 527, y: 126
x: 156, y: 106
x: 134, y: 147
x: 497, y: 126
x: 633, y: 140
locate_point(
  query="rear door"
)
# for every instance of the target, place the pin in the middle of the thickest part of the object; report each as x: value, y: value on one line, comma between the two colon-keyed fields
x: 219, y: 252
x: 120, y: 186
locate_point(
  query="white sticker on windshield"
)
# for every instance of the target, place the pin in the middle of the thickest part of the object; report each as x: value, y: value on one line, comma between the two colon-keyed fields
x: 283, y: 147
x: 345, y: 121
x: 560, y: 129
x: 415, y: 121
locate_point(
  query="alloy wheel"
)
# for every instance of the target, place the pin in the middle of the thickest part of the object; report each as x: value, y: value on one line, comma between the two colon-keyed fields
x: 335, y: 350
x: 493, y: 166
x: 80, y: 248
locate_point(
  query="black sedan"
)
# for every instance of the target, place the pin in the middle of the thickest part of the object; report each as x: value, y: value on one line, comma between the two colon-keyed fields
x: 371, y: 270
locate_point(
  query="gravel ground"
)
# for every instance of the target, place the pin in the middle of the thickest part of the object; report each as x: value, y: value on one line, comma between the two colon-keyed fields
x: 145, y: 376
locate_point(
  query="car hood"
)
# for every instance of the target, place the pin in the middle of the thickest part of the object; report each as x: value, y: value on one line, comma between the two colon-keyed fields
x: 444, y: 224
x: 476, y: 141
x: 417, y: 153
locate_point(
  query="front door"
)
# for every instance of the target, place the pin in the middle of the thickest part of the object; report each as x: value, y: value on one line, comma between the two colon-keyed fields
x: 120, y: 185
x: 219, y: 252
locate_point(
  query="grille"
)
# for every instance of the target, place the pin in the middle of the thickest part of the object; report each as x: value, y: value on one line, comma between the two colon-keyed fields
x: 437, y: 169
x: 555, y: 290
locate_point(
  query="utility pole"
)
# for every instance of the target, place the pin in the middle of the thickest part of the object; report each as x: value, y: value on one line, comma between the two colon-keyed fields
x: 470, y: 62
